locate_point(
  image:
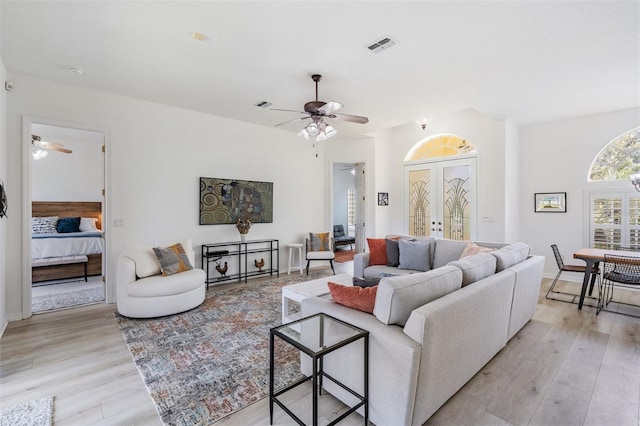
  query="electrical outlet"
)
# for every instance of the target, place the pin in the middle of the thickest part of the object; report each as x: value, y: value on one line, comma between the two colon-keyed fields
x: 118, y: 223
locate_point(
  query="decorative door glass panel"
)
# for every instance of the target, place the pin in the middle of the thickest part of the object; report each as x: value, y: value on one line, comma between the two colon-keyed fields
x: 438, y: 199
x: 456, y: 203
x: 419, y: 202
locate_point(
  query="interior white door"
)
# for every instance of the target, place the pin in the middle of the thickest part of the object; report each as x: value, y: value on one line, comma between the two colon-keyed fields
x: 439, y: 199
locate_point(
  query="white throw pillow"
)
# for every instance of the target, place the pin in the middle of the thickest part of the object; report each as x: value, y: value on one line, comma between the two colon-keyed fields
x: 88, y: 224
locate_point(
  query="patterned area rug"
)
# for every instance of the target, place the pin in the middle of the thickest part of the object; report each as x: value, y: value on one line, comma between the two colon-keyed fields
x: 204, y: 364
x: 38, y: 412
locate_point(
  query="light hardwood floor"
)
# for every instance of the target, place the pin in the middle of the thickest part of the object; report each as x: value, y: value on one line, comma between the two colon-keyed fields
x: 564, y: 367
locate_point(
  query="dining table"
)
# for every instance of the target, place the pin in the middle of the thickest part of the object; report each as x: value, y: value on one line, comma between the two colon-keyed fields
x: 592, y: 257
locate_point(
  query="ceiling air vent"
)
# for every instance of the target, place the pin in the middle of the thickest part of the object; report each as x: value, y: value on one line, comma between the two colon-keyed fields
x: 382, y: 44
x: 263, y: 104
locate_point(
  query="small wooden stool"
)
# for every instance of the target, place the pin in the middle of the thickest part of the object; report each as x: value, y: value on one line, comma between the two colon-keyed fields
x: 292, y: 248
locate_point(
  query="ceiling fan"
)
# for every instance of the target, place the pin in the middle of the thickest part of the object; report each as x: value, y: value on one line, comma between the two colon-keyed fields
x: 40, y: 147
x: 317, y: 111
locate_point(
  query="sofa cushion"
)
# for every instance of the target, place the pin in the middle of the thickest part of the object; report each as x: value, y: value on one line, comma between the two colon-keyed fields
x: 447, y: 251
x: 157, y: 285
x: 414, y: 255
x: 473, y: 248
x: 365, y: 282
x: 476, y: 267
x: 510, y: 255
x: 362, y: 299
x: 172, y: 259
x: 377, y: 271
x: 398, y: 296
x: 393, y: 251
x: 377, y: 250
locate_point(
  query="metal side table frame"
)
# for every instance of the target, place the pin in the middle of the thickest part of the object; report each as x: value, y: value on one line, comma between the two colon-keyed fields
x: 313, y: 340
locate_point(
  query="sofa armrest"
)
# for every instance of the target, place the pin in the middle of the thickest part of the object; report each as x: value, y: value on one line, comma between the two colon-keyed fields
x: 394, y: 360
x: 360, y: 261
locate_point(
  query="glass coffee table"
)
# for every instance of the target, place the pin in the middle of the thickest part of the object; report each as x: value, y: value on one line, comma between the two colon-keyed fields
x: 317, y: 336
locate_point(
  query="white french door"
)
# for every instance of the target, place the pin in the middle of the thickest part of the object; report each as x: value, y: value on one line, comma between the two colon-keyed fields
x: 439, y: 199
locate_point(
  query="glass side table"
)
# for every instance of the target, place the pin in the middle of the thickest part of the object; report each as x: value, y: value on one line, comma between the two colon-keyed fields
x: 317, y: 336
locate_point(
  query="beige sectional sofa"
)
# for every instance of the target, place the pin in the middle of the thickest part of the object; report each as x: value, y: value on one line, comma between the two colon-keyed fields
x: 431, y: 332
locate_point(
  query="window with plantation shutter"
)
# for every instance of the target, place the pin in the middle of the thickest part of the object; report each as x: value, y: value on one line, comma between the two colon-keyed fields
x: 614, y: 220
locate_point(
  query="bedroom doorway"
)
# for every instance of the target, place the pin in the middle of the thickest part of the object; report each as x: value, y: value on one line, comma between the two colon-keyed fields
x: 66, y: 238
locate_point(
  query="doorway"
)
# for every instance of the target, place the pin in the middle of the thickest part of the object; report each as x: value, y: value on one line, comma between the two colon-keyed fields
x: 66, y: 267
x: 348, y: 204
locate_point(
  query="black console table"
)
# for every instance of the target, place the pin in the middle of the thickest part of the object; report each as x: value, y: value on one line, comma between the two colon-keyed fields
x: 238, y: 254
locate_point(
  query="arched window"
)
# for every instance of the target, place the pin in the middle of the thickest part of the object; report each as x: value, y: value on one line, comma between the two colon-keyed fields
x: 619, y: 159
x: 444, y: 145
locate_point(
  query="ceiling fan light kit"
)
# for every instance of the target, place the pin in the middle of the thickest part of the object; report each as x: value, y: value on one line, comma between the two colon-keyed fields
x: 40, y: 149
x: 318, y: 111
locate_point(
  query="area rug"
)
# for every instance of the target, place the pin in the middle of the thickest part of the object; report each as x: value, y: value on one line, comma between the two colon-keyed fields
x: 344, y: 255
x: 205, y: 364
x: 38, y: 412
x: 65, y: 295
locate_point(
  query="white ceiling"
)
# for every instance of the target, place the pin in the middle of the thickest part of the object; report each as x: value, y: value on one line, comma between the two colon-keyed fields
x: 526, y: 61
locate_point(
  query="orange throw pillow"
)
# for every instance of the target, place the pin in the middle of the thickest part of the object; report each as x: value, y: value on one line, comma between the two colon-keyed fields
x: 377, y: 251
x: 362, y: 299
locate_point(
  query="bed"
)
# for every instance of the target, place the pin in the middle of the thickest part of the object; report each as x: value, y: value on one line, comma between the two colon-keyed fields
x: 66, y: 255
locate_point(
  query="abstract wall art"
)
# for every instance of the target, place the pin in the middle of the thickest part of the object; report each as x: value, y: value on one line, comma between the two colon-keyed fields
x: 227, y: 200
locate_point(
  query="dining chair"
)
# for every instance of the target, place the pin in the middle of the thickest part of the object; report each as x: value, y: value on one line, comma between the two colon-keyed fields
x: 581, y: 269
x: 618, y: 271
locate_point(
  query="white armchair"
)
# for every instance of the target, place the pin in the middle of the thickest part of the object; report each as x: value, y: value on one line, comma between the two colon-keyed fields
x: 142, y: 292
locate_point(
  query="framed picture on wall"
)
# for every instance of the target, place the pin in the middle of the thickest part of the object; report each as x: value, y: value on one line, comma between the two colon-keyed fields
x: 550, y: 202
x: 383, y: 198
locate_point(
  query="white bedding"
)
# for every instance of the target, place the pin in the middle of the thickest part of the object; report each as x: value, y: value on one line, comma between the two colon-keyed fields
x: 70, y: 246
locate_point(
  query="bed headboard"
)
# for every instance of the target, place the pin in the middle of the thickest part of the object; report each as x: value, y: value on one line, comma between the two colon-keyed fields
x: 68, y: 209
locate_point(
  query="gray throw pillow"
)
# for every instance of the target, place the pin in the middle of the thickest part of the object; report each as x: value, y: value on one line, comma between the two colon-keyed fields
x: 365, y: 282
x: 414, y: 255
x: 393, y: 252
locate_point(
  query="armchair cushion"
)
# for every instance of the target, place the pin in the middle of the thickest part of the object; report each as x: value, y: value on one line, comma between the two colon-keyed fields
x: 146, y: 261
x: 319, y: 241
x: 172, y: 259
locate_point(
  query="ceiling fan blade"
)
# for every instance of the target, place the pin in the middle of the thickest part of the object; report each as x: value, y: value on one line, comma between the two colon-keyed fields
x: 352, y: 118
x: 288, y: 110
x: 54, y: 147
x: 330, y: 107
x: 291, y: 121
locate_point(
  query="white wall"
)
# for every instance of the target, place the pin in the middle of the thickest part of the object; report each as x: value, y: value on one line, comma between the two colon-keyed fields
x: 3, y: 221
x: 155, y: 156
x: 512, y: 181
x: 68, y: 177
x: 555, y: 157
x: 485, y: 133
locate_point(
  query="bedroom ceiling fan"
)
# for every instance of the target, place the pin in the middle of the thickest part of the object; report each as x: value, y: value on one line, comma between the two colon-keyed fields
x: 317, y: 111
x: 40, y: 148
